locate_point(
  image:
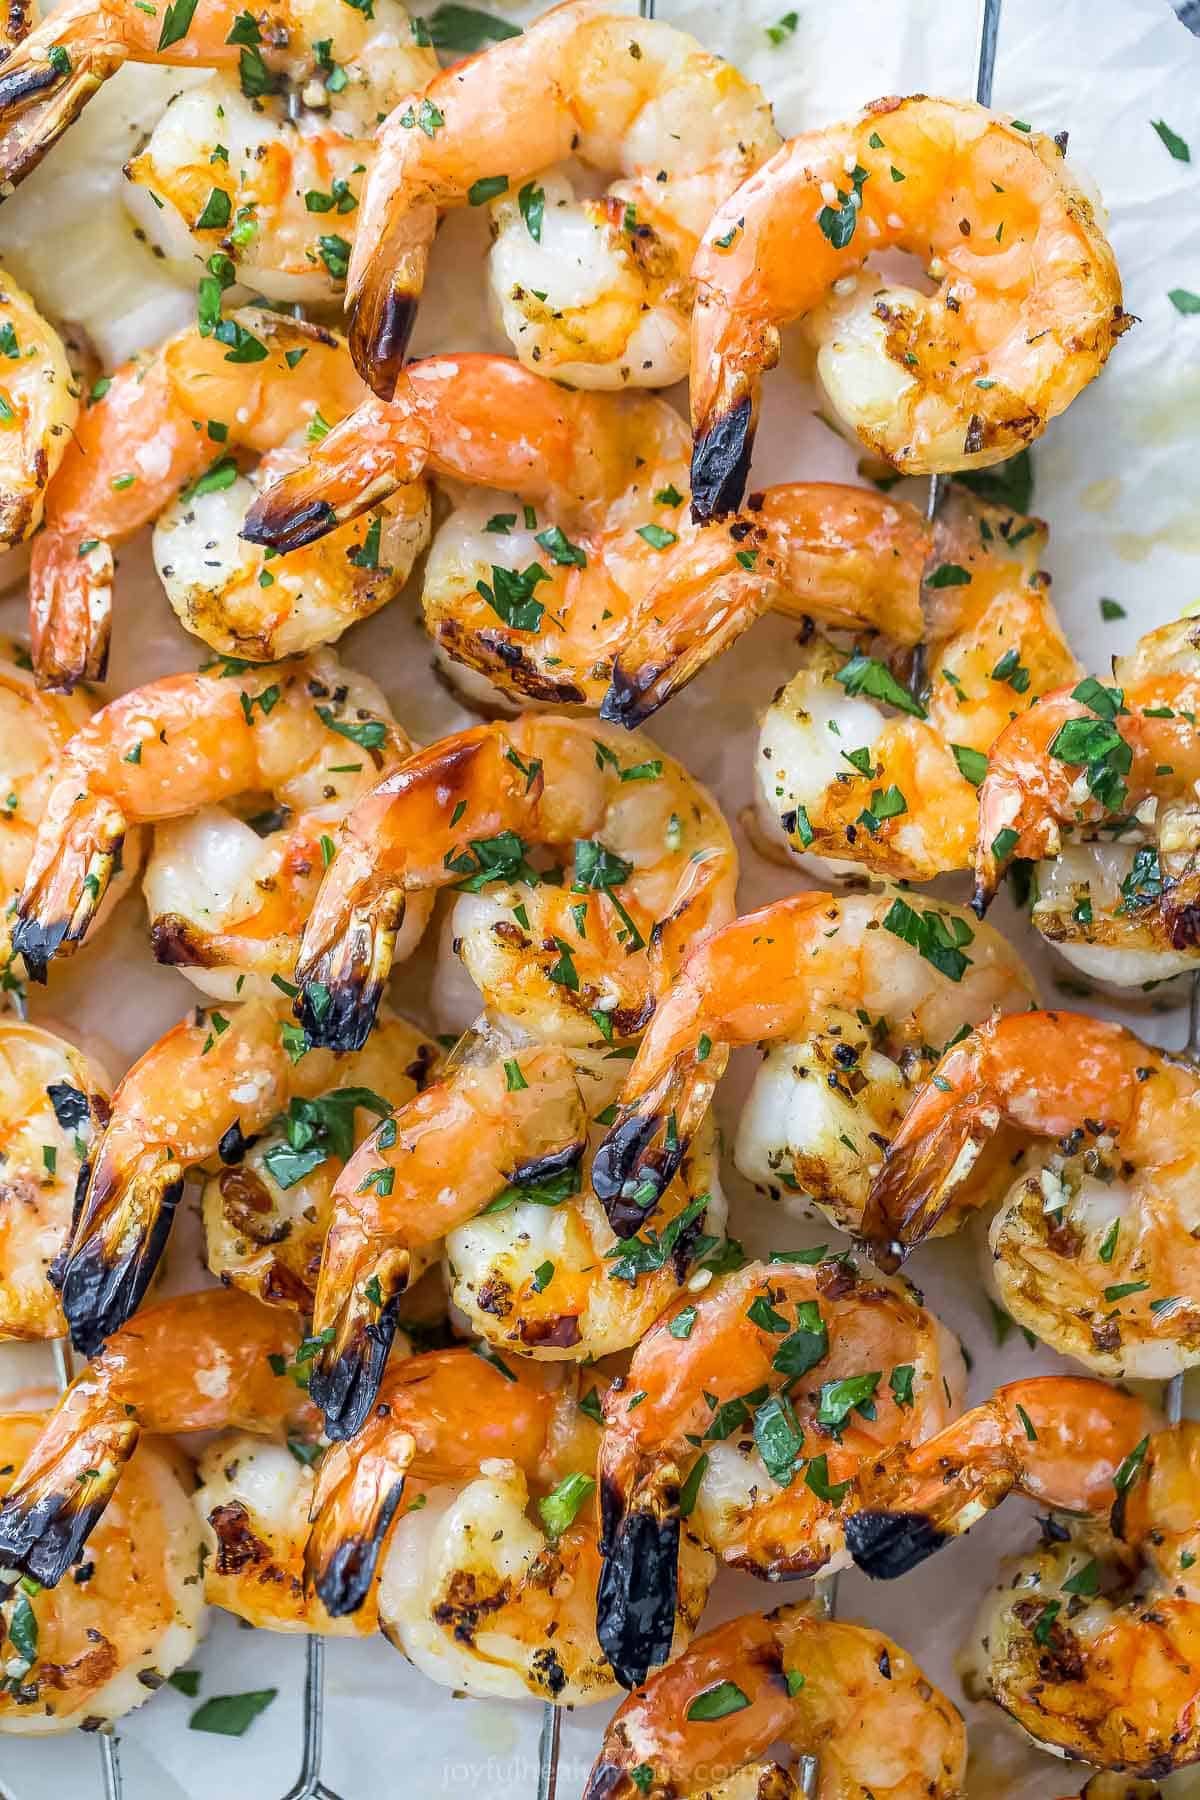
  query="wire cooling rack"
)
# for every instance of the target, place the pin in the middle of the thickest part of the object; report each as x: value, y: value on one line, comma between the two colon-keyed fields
x: 308, y: 1784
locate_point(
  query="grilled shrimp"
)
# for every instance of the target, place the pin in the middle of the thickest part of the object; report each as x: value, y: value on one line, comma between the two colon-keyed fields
x: 54, y: 1103
x: 266, y: 1213
x: 829, y: 974
x: 580, y: 957
x: 595, y: 292
x: 707, y: 1725
x: 532, y: 1260
x: 198, y: 1362
x: 1026, y: 307
x: 582, y: 580
x: 35, y: 727
x: 226, y: 904
x: 198, y: 1097
x: 1062, y: 1441
x: 257, y: 168
x: 860, y: 767
x: 726, y: 1362
x: 97, y: 1647
x: 159, y: 443
x: 1092, y: 1642
x: 1093, y: 1244
x: 1125, y: 759
x: 39, y: 403
x: 484, y: 1591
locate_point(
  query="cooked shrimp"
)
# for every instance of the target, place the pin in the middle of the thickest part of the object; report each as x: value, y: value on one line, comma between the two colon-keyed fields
x: 226, y: 904
x: 252, y: 1505
x: 1123, y: 758
x: 35, y: 727
x: 266, y: 1214
x: 262, y: 165
x: 256, y: 168
x: 608, y: 582
x: 160, y: 441
x: 1098, y: 904
x: 1062, y: 1441
x: 54, y: 1102
x: 596, y: 293
x: 636, y: 610
x: 652, y: 865
x: 99, y: 1646
x: 198, y: 1362
x: 814, y: 967
x: 1092, y: 1642
x: 707, y: 1725
x: 478, y: 1594
x: 728, y: 1362
x: 1026, y: 308
x: 422, y: 1171
x: 859, y: 763
x: 197, y: 1097
x: 532, y: 1260
x: 1093, y: 1245
x: 39, y: 403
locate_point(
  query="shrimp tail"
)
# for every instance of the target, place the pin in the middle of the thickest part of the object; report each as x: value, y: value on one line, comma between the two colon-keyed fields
x: 59, y: 902
x: 721, y: 460
x: 633, y: 1168
x: 639, y: 1578
x: 46, y: 1519
x: 39, y: 100
x: 70, y: 610
x: 705, y: 604
x: 921, y: 1177
x: 346, y: 1374
x: 888, y: 1544
x: 358, y: 1491
x: 342, y: 983
x: 115, y: 1249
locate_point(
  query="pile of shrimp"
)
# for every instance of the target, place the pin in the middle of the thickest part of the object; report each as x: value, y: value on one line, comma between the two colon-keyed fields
x: 448, y: 1337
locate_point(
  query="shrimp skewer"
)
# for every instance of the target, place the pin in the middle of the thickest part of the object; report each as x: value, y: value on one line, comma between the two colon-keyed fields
x: 306, y: 732
x: 882, y: 1730
x: 195, y: 1363
x: 584, y: 961
x: 1026, y: 309
x: 814, y: 962
x: 159, y: 443
x: 634, y: 96
x: 711, y: 1422
x: 199, y: 1095
x: 1093, y: 1249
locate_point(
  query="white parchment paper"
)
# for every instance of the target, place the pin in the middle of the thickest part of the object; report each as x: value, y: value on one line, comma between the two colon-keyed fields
x: 1116, y: 479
